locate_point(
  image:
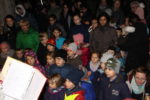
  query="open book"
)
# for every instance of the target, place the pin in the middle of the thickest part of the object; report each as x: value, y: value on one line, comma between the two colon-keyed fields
x: 21, y: 81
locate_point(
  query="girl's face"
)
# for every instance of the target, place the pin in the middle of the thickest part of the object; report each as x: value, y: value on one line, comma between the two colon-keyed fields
x: 44, y: 40
x: 69, y: 84
x: 50, y: 60
x: 59, y: 61
x: 140, y: 78
x: 52, y: 84
x: 111, y: 52
x: 110, y: 73
x: 103, y: 20
x: 56, y: 33
x: 30, y: 60
x: 94, y: 58
x: 77, y: 20
x: 50, y: 48
x: 103, y: 66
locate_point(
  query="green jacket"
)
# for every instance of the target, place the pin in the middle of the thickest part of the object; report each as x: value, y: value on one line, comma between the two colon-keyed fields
x: 28, y: 39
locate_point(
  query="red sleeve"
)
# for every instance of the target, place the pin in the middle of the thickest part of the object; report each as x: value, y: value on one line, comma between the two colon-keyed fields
x: 80, y: 97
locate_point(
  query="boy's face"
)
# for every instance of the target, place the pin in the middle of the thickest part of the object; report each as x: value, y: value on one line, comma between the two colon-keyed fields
x: 52, y: 84
x: 59, y: 61
x: 76, y: 20
x: 10, y: 22
x: 50, y: 48
x: 94, y: 23
x: 56, y: 33
x: 109, y: 73
x: 103, y: 21
x: 94, y: 58
x: 70, y: 53
x: 50, y: 60
x: 30, y: 60
x: 69, y: 84
x: 19, y: 54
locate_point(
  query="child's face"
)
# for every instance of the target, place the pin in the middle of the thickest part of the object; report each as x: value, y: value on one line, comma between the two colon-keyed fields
x: 103, y: 66
x: 50, y: 48
x: 30, y: 60
x: 70, y: 53
x: 94, y: 58
x: 109, y: 73
x: 52, y: 84
x: 59, y: 61
x: 50, y: 60
x: 52, y: 20
x: 19, y: 54
x: 69, y: 84
x: 56, y: 33
x: 44, y: 40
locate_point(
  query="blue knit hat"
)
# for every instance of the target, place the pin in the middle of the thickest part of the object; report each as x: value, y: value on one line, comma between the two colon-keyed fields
x: 75, y: 76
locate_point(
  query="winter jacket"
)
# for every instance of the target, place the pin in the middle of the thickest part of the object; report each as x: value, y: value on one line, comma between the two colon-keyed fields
x: 55, y: 94
x: 114, y: 90
x: 102, y: 38
x: 75, y: 94
x: 28, y: 39
x: 90, y: 93
x: 59, y: 42
x: 85, y: 56
x: 63, y: 70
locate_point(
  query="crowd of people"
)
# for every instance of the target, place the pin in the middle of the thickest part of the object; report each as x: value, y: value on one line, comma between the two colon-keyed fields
x: 85, y: 55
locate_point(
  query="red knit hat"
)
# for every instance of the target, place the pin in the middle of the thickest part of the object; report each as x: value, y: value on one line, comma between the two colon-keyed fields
x: 51, y: 41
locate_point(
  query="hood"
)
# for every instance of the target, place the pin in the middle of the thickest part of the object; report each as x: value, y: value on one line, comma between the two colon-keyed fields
x: 21, y: 7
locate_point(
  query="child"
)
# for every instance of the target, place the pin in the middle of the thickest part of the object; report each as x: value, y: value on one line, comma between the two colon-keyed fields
x: 51, y: 45
x: 74, y: 92
x: 94, y: 25
x: 60, y: 65
x: 113, y: 87
x: 31, y: 59
x: 50, y: 61
x: 83, y: 48
x: 58, y: 38
x: 55, y: 90
x: 42, y: 49
x: 19, y: 54
x: 73, y: 58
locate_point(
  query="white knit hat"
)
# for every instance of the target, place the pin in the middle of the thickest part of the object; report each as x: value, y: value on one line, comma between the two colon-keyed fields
x: 105, y: 57
x: 72, y: 46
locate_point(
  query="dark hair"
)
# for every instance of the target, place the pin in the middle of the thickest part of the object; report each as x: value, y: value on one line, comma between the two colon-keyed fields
x: 98, y: 54
x: 53, y: 16
x: 18, y: 49
x: 9, y: 16
x: 104, y: 15
x: 77, y: 14
x: 141, y: 69
x: 52, y: 54
x: 57, y: 79
x: 133, y: 18
x: 56, y: 28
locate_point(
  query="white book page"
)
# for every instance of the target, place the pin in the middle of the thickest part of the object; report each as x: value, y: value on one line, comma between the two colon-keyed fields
x: 36, y: 86
x: 17, y: 79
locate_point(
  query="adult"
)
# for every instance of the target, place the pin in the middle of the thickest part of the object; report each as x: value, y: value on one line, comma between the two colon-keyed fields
x: 103, y: 36
x: 139, y: 84
x: 27, y: 37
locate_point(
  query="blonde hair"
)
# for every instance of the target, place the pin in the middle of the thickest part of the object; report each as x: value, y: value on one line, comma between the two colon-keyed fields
x: 24, y: 22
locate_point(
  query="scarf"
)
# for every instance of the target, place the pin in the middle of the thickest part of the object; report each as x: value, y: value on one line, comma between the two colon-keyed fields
x: 54, y: 91
x: 94, y: 67
x: 135, y: 88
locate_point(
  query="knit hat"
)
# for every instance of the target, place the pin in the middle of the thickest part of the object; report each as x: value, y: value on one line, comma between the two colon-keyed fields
x: 72, y: 47
x: 78, y: 38
x: 75, y: 76
x: 113, y: 64
x: 61, y: 53
x: 51, y: 41
x: 105, y: 57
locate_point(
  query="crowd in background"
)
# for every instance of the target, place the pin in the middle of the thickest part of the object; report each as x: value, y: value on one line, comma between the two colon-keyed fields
x: 100, y: 54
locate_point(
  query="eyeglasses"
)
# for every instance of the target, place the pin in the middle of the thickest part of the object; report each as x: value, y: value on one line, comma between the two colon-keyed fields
x: 141, y: 79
